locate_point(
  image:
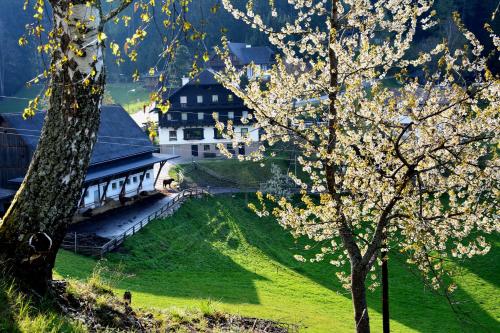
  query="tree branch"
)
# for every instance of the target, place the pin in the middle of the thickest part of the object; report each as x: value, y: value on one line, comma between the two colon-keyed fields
x: 123, y: 5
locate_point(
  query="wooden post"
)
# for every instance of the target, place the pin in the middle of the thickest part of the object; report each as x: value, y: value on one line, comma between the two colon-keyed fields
x: 159, y: 172
x: 140, y: 183
x: 385, y: 285
x: 122, y: 190
x: 75, y: 242
x: 105, y: 191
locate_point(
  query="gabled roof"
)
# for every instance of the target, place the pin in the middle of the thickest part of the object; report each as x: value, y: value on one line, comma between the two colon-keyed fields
x: 246, y: 54
x: 204, y: 78
x: 118, y: 136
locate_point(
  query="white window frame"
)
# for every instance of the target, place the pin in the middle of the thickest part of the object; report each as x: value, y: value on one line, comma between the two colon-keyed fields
x: 244, y: 114
x: 230, y: 98
x: 215, y: 98
x: 184, y: 116
x: 201, y: 115
x: 172, y: 137
x: 230, y: 115
x: 183, y: 100
x: 199, y: 99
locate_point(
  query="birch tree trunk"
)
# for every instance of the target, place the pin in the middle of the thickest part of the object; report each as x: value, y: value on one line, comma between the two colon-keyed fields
x: 35, y: 224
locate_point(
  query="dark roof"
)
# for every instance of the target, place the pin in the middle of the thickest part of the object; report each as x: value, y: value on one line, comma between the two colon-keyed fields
x: 204, y: 78
x: 118, y: 137
x: 6, y: 193
x: 117, y: 168
x: 121, y: 167
x: 257, y: 54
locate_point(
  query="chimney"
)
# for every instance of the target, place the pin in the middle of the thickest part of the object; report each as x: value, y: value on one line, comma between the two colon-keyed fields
x: 185, y: 80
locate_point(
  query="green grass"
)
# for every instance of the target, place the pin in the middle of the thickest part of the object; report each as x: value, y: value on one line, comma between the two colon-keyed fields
x: 20, y: 100
x: 20, y: 314
x: 217, y: 249
x: 132, y: 96
x: 246, y: 173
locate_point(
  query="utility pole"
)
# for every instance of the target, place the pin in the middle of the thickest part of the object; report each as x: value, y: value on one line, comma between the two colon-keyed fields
x: 385, y: 285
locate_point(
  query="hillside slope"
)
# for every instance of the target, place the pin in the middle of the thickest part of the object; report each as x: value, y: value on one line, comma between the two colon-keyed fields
x: 216, y: 251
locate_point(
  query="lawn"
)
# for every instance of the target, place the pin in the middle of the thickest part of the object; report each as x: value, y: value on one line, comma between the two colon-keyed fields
x: 247, y: 173
x: 216, y: 250
x: 19, y: 101
x: 132, y: 96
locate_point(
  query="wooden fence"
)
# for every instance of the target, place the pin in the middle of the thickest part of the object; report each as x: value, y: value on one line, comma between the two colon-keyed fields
x: 71, y: 240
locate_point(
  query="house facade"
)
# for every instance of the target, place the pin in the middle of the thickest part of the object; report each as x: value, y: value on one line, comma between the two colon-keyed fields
x: 188, y: 128
x: 121, y: 166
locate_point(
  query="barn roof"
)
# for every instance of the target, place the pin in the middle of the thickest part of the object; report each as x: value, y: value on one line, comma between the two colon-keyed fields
x: 118, y: 136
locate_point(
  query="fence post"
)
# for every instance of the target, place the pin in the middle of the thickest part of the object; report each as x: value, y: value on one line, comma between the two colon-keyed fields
x: 133, y: 230
x: 75, y: 243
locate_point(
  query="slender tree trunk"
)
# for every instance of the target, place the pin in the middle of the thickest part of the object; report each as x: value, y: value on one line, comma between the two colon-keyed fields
x: 36, y: 222
x: 358, y: 293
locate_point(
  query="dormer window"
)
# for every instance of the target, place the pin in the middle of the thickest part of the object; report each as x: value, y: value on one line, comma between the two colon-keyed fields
x: 184, y: 116
x: 230, y: 98
x: 183, y: 101
x: 230, y: 115
x: 215, y: 98
x: 199, y: 99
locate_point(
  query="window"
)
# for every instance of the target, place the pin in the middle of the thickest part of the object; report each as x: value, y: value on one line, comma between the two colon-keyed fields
x: 206, y: 147
x: 128, y: 181
x: 230, y: 115
x: 215, y: 98
x: 172, y: 135
x: 113, y: 186
x: 193, y: 134
x: 200, y: 115
x: 184, y: 101
x: 199, y: 99
x: 229, y: 146
x: 86, y: 193
x: 244, y: 114
x: 230, y: 98
x: 244, y: 131
x: 217, y: 134
x: 120, y: 183
x: 134, y: 179
x: 147, y: 175
x: 184, y: 116
x: 215, y: 115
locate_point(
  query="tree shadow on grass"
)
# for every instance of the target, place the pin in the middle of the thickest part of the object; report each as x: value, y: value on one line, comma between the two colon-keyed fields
x: 184, y: 257
x: 411, y: 303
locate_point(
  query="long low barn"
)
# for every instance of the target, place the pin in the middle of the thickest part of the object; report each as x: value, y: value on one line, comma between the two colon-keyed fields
x: 122, y: 163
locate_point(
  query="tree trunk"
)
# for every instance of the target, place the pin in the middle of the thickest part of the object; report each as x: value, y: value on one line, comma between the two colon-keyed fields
x: 36, y: 222
x: 358, y: 293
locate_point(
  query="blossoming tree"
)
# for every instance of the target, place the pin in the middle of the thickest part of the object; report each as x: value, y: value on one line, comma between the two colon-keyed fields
x: 412, y: 168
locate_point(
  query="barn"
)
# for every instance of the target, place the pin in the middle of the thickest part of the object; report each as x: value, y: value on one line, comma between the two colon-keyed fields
x: 121, y: 166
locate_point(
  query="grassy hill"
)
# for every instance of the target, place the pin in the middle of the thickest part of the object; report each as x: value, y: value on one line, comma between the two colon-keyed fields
x: 217, y: 252
x: 132, y: 96
x: 247, y: 173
